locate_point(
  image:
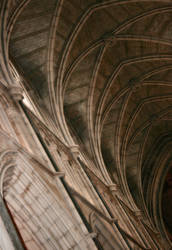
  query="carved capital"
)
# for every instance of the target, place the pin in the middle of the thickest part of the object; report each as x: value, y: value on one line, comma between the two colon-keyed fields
x: 138, y: 214
x: 74, y: 150
x: 113, y: 187
x: 16, y: 92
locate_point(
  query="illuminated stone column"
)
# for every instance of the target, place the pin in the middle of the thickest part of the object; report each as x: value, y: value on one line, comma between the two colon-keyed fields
x: 9, y: 239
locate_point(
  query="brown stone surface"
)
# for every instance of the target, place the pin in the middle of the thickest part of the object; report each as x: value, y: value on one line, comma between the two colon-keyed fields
x: 98, y: 74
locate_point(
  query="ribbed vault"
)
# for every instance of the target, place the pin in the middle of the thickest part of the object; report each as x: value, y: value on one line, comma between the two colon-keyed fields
x: 105, y: 67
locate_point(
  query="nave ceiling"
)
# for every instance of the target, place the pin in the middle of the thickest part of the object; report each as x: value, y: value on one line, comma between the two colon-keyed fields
x: 103, y: 70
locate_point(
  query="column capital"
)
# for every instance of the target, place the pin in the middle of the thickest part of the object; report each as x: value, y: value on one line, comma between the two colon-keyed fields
x: 138, y: 214
x: 113, y: 187
x: 74, y: 149
x: 16, y: 92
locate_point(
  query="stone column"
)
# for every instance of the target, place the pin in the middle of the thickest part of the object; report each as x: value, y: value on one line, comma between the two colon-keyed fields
x: 5, y: 241
x: 15, y: 115
x: 22, y: 128
x: 9, y: 237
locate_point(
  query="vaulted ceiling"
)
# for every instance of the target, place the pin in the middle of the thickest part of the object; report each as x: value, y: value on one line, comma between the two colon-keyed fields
x: 103, y: 70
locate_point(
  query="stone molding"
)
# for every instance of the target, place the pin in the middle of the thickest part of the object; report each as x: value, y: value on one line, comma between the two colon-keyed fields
x: 138, y: 214
x: 135, y: 84
x: 58, y: 175
x: 113, y: 187
x: 74, y: 149
x: 16, y: 92
x: 8, y: 161
x: 109, y: 40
